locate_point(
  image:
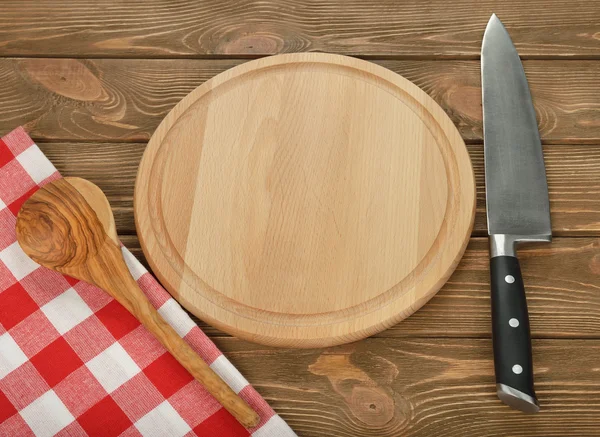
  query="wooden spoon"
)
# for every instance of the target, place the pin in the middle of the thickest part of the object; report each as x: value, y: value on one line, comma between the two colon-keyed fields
x: 68, y: 226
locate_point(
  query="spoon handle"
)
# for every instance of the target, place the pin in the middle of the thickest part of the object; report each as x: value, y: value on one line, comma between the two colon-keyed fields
x: 121, y: 285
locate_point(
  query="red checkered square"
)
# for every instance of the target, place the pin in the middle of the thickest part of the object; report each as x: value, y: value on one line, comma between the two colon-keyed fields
x: 72, y: 430
x: 94, y: 297
x: 34, y: 333
x: 15, y: 306
x: 6, y: 277
x: 222, y: 424
x: 142, y: 347
x: 137, y: 397
x: 9, y: 190
x: 16, y: 204
x: 56, y: 361
x: 104, y: 419
x: 23, y: 385
x: 43, y: 285
x: 89, y: 338
x: 155, y: 293
x: 202, y: 345
x: 194, y: 403
x: 7, y: 409
x: 167, y: 374
x: 70, y: 280
x: 80, y: 391
x: 8, y: 221
x: 117, y: 319
x: 15, y: 426
x: 5, y: 154
x: 17, y: 141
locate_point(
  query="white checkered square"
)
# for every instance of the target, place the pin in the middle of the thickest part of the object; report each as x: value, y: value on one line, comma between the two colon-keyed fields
x: 113, y: 367
x: 135, y: 267
x: 161, y: 421
x: 176, y: 317
x: 2, y: 205
x: 36, y: 164
x: 11, y: 355
x: 47, y: 415
x: 66, y: 311
x: 17, y: 262
x: 275, y: 427
x: 228, y: 373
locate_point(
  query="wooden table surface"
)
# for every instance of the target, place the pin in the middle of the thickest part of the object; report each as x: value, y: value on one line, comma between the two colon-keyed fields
x: 90, y: 80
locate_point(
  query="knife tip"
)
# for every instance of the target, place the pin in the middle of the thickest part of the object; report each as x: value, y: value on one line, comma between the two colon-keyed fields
x: 494, y: 19
x: 494, y: 26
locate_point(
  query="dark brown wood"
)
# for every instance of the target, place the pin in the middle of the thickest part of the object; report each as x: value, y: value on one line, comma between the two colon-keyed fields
x: 67, y: 226
x: 562, y: 293
x: 573, y: 178
x: 125, y: 100
x: 421, y: 387
x: 370, y: 28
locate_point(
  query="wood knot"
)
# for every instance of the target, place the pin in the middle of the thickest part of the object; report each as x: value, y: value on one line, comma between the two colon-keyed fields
x: 465, y: 101
x: 595, y: 264
x: 370, y: 402
x: 67, y: 77
x: 249, y: 43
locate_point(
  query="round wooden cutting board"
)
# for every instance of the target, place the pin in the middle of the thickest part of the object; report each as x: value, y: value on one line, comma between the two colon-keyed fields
x: 305, y: 200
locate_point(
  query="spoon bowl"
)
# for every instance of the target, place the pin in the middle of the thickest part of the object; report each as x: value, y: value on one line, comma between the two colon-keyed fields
x: 59, y: 231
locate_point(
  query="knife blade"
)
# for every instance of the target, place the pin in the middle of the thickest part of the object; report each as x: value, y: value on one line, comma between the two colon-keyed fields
x: 518, y: 208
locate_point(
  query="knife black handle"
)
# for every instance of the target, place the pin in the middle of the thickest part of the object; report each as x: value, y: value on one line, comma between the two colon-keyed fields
x: 511, y: 335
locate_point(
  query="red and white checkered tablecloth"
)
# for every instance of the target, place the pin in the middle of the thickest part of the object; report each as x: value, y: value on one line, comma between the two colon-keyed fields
x: 74, y: 362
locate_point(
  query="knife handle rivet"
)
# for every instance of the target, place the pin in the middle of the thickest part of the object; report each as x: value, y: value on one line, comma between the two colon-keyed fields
x: 509, y: 279
x: 513, y: 323
x: 517, y: 369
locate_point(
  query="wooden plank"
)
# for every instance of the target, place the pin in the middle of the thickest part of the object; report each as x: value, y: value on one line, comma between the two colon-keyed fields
x: 421, y: 387
x: 125, y: 100
x: 375, y: 28
x: 563, y: 293
x: 573, y: 178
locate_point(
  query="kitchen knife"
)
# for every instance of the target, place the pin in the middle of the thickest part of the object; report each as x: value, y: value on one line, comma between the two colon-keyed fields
x: 518, y: 209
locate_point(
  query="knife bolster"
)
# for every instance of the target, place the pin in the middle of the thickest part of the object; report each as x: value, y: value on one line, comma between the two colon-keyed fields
x: 506, y: 244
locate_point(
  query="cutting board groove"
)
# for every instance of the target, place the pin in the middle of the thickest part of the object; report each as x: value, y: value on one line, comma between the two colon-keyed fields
x: 305, y: 200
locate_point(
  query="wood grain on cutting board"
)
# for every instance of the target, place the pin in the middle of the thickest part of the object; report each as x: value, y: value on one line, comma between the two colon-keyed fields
x: 305, y: 200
